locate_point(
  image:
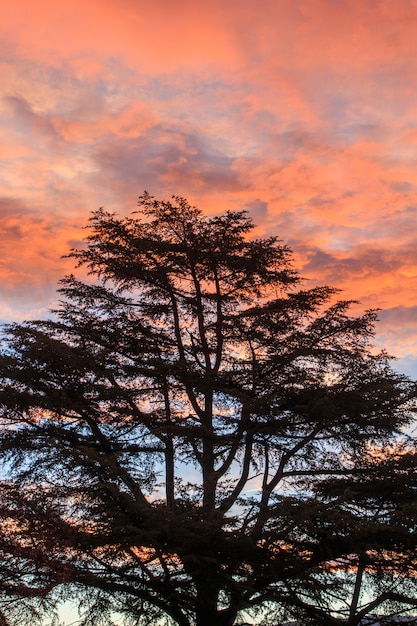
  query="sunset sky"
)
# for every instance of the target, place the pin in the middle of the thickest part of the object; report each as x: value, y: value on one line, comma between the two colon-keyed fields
x: 303, y: 112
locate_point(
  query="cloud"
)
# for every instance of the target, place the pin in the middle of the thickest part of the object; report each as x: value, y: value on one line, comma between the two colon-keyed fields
x: 178, y: 160
x: 258, y: 209
x: 31, y: 245
x: 29, y: 121
x: 301, y: 112
x: 397, y: 329
x: 360, y: 263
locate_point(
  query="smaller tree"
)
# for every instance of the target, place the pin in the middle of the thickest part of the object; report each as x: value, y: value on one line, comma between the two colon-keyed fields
x: 194, y: 439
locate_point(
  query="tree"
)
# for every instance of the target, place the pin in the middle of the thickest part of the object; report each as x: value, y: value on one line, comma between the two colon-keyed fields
x: 194, y: 438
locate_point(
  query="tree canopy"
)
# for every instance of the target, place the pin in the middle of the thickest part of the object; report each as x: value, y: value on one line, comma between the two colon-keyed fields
x: 195, y: 438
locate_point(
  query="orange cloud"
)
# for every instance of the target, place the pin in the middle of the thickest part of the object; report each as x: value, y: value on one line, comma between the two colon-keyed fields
x: 302, y: 112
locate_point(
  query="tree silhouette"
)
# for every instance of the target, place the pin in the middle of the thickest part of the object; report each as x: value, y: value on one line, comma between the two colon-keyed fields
x: 194, y: 438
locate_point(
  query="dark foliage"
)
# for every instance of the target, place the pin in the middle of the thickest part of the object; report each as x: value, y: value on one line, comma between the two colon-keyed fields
x: 194, y: 438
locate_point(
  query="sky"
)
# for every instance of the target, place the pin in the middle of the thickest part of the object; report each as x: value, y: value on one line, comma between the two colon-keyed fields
x: 303, y: 112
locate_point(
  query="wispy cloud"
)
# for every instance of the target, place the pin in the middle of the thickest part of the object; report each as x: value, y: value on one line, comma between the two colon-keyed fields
x: 301, y: 112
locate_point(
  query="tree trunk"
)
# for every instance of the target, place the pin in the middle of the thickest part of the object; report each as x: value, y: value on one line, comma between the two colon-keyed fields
x: 206, y: 617
x: 206, y: 607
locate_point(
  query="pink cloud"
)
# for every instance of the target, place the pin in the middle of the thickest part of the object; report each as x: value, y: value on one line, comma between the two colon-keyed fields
x: 303, y: 112
x: 31, y: 245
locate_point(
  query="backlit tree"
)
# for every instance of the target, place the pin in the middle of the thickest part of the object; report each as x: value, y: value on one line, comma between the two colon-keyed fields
x: 195, y: 438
